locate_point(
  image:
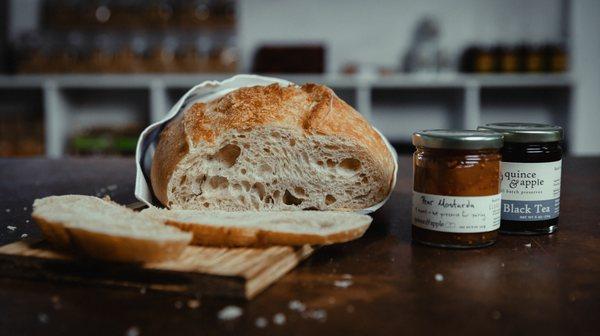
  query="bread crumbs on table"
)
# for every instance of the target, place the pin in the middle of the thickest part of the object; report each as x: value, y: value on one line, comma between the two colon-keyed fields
x: 343, y: 283
x: 229, y: 313
x: 279, y: 319
x: 24, y: 235
x: 296, y: 305
x: 439, y: 277
x: 56, y: 302
x: 528, y: 245
x: 132, y: 331
x: 316, y: 314
x: 43, y: 318
x: 11, y: 228
x: 261, y: 322
x: 193, y: 304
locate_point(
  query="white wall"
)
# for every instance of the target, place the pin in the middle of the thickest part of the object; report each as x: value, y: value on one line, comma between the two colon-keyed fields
x: 585, y: 120
x: 24, y: 15
x: 377, y: 32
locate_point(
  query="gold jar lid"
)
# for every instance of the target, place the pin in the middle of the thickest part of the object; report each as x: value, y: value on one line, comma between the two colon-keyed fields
x: 526, y: 132
x: 457, y: 139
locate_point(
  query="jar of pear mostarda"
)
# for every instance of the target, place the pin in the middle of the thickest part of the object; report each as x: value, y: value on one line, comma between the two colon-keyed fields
x: 456, y: 195
x: 530, y: 177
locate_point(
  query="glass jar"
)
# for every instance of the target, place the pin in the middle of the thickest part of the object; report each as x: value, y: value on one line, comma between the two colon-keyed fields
x: 530, y: 177
x: 456, y: 195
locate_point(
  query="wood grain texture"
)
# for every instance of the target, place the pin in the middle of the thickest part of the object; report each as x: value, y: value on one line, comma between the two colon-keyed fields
x: 540, y: 285
x: 210, y: 271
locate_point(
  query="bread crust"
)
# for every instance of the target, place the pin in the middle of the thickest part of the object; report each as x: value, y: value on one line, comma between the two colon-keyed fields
x: 108, y: 247
x: 55, y: 233
x: 208, y: 235
x: 311, y: 108
x: 172, y: 147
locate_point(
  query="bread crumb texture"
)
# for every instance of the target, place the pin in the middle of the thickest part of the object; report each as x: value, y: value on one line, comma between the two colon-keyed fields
x: 271, y: 148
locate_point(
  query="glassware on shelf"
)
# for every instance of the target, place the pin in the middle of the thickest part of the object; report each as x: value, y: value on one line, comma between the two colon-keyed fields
x: 124, y: 36
x: 554, y: 58
x: 159, y: 13
x: 21, y: 134
x: 523, y: 57
x: 103, y: 54
x: 425, y: 54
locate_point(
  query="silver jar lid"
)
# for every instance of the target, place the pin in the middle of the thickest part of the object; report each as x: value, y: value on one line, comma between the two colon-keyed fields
x: 457, y: 139
x: 526, y: 132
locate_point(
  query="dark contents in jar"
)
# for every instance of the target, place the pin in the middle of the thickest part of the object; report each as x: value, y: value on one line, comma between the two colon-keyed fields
x: 456, y: 173
x: 531, y: 153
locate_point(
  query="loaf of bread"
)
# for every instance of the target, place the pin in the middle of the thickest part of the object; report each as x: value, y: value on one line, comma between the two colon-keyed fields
x: 271, y: 148
x: 104, y: 230
x: 253, y: 228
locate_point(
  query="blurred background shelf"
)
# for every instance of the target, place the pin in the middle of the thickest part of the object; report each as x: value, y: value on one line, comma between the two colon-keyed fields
x: 397, y: 104
x: 88, y: 75
x: 342, y: 81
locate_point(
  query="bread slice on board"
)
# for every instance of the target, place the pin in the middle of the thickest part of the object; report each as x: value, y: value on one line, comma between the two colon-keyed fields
x: 252, y: 228
x: 104, y: 230
x: 271, y: 148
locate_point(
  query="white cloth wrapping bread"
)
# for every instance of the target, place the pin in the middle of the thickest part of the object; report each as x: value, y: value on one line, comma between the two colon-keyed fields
x: 204, y: 92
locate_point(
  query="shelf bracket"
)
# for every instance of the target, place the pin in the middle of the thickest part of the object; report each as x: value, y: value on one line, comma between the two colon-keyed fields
x: 472, y: 105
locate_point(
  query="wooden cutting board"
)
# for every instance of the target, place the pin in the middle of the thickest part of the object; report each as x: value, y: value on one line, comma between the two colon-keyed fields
x: 210, y: 271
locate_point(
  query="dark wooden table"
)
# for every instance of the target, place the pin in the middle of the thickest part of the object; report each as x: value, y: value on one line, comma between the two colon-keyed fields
x: 522, y: 285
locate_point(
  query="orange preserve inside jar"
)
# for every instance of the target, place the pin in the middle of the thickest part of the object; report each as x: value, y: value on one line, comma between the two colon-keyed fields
x: 456, y: 194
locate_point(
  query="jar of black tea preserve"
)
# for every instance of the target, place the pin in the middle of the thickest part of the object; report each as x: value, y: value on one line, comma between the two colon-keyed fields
x: 530, y: 177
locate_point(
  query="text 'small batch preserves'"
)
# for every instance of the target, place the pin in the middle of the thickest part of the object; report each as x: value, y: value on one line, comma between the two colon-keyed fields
x: 530, y: 177
x: 456, y: 197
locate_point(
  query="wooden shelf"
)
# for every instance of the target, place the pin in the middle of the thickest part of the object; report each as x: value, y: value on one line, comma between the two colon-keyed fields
x: 160, y: 88
x: 399, y: 81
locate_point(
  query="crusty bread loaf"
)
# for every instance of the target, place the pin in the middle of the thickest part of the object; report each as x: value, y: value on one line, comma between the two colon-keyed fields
x: 271, y: 148
x: 253, y: 228
x: 105, y: 230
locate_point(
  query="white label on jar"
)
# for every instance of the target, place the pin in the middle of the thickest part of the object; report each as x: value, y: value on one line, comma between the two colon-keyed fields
x: 530, y: 191
x: 460, y: 214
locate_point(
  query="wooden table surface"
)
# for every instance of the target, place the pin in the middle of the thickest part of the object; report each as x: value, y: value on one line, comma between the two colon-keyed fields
x: 522, y: 285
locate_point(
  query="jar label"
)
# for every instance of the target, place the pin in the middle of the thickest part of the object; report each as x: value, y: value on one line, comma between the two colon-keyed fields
x: 460, y: 214
x: 530, y: 191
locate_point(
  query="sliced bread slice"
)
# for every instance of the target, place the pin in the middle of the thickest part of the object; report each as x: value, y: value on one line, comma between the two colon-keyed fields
x: 104, y: 230
x: 252, y: 228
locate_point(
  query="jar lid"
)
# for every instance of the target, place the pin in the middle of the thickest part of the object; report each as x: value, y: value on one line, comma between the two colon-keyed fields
x: 457, y: 139
x: 526, y: 132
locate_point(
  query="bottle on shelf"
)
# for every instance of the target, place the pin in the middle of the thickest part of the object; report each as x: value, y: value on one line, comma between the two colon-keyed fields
x: 506, y: 58
x: 484, y: 61
x: 533, y: 60
x: 114, y: 27
x: 554, y: 58
x: 467, y: 59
